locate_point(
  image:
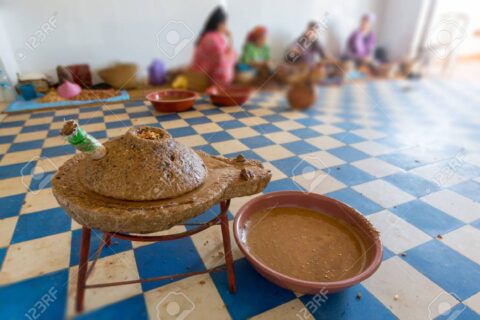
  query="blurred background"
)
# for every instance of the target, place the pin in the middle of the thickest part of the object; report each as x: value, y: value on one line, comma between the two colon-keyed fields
x: 444, y: 34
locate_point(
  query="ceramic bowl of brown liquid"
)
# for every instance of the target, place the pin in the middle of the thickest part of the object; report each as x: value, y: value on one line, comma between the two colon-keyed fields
x: 306, y: 242
x: 172, y: 100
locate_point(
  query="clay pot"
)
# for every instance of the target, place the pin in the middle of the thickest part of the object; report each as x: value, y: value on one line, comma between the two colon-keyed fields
x: 324, y: 205
x: 301, y: 95
x: 68, y: 90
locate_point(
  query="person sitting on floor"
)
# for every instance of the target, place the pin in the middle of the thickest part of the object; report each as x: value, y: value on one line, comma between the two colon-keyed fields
x: 214, y: 55
x: 307, y: 48
x: 256, y: 54
x: 361, y: 44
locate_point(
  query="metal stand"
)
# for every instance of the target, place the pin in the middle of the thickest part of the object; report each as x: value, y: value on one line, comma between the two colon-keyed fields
x: 84, y: 271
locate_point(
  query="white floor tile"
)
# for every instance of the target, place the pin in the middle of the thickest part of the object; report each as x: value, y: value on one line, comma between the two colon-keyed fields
x: 397, y: 234
x: 454, y: 204
x: 417, y: 296
x: 195, y: 297
x: 376, y: 167
x: 383, y: 193
x: 372, y: 148
x: 465, y: 240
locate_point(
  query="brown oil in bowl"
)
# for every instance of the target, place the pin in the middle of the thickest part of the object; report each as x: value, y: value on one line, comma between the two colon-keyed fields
x: 305, y: 244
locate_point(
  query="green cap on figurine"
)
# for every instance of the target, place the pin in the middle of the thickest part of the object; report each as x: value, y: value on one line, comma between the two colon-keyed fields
x: 81, y: 140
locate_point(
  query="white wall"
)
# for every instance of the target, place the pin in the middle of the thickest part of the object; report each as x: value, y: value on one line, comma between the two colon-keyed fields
x: 100, y: 32
x: 402, y: 23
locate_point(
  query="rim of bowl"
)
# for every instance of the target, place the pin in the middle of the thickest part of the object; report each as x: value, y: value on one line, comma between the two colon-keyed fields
x: 193, y: 96
x: 371, y: 268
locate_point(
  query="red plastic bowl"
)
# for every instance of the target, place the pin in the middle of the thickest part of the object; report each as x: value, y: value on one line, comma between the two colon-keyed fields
x: 229, y: 96
x: 172, y: 100
x: 323, y: 205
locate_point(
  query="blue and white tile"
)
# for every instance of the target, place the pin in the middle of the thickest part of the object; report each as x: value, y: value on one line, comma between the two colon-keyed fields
x: 465, y: 240
x: 383, y: 193
x: 449, y: 202
x: 407, y: 292
x: 397, y: 234
x: 376, y: 167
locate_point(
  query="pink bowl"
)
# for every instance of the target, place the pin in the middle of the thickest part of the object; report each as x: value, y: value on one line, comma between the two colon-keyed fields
x: 172, y: 100
x: 68, y: 90
x: 321, y: 204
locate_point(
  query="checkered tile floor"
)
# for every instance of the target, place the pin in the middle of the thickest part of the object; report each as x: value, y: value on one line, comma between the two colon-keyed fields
x: 407, y: 158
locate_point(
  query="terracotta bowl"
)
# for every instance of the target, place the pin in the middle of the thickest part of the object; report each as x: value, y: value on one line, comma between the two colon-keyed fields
x: 229, y: 96
x: 321, y: 204
x: 172, y: 100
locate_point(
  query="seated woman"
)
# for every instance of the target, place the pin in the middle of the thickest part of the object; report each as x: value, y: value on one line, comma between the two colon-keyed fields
x: 256, y: 54
x: 214, y: 55
x: 307, y: 48
x: 361, y: 43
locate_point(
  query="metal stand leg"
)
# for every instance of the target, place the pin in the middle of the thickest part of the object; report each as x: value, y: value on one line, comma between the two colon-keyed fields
x: 82, y: 269
x: 107, y: 238
x: 232, y: 287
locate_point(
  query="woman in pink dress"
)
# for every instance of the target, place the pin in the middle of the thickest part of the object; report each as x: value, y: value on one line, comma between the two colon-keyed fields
x: 214, y: 55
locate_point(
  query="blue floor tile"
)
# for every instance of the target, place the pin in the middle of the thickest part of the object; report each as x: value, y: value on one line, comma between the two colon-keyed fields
x: 182, y: 132
x: 18, y: 169
x: 446, y: 267
x: 476, y: 224
x: 20, y: 300
x: 132, y: 308
x: 140, y: 114
x: 167, y: 258
x: 134, y: 103
x: 58, y: 151
x: 254, y: 293
x: 11, y: 205
x: 118, y: 124
x: 459, y: 312
x: 208, y: 149
x: 7, y: 139
x: 347, y: 137
x: 266, y: 128
x: 83, y: 122
x: 427, y: 218
x: 11, y: 124
x: 37, y: 115
x: 281, y: 185
x: 401, y: 160
x: 356, y: 200
x: 257, y: 142
x: 41, y: 181
x: 274, y: 118
x: 3, y: 252
x: 28, y: 145
x: 35, y: 128
x: 293, y: 166
x: 412, y: 184
x: 231, y: 124
x: 348, y: 154
x: 168, y: 117
x: 117, y: 246
x: 350, y: 175
x: 345, y: 305
x: 306, y: 133
x: 470, y: 189
x: 300, y: 147
x: 217, y: 136
x: 41, y: 224
x: 198, y: 120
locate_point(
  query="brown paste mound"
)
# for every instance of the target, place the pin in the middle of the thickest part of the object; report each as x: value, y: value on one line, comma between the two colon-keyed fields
x: 144, y: 164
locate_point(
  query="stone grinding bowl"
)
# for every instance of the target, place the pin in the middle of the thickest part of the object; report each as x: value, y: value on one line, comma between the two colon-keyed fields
x: 172, y: 100
x: 229, y: 96
x: 144, y: 186
x: 317, y: 203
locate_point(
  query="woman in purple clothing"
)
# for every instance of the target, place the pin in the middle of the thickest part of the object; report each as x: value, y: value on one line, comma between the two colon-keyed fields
x: 361, y: 43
